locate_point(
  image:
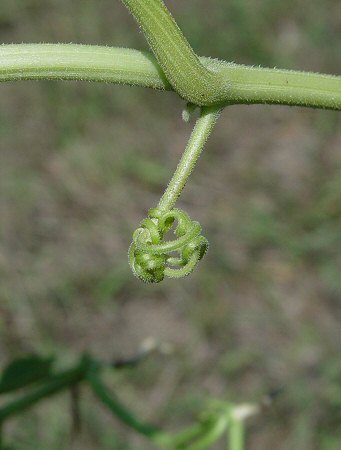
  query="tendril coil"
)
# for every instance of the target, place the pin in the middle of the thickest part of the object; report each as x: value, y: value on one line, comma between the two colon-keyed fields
x: 152, y: 258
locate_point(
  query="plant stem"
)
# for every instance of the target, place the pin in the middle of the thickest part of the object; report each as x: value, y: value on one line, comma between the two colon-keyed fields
x: 236, y: 434
x: 80, y: 62
x: 248, y: 85
x: 107, y: 398
x: 195, y: 145
x: 186, y: 73
x: 210, y: 436
x: 182, y: 438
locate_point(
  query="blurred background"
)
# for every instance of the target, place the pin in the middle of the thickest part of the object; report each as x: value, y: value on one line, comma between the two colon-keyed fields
x: 80, y: 166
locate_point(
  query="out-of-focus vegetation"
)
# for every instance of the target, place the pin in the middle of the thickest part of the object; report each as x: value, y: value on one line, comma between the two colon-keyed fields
x: 263, y: 309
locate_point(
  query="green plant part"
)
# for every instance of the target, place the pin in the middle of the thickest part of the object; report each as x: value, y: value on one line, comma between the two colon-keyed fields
x: 150, y: 258
x: 210, y: 87
x: 33, y: 378
x: 189, y: 77
x: 248, y: 85
x: 204, y: 82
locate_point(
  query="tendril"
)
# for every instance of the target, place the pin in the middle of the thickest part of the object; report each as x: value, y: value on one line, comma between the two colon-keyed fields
x: 152, y: 258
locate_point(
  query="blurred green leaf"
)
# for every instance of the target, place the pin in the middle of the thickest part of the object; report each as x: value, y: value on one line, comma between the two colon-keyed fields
x: 24, y: 371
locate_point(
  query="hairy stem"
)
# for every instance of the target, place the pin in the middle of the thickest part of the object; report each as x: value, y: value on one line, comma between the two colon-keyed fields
x: 80, y: 62
x: 195, y: 145
x: 186, y: 73
x: 248, y: 85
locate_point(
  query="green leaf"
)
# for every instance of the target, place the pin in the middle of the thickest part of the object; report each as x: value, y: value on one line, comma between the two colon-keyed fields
x: 24, y: 371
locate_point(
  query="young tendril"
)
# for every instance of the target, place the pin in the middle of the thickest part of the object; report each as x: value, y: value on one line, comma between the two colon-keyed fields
x: 150, y: 257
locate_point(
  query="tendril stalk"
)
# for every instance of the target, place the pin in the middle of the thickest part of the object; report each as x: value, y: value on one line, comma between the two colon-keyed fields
x: 201, y: 132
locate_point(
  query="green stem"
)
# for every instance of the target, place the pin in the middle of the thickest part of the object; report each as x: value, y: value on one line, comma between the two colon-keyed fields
x: 102, y: 393
x: 181, y: 439
x: 210, y: 436
x: 236, y: 435
x: 80, y: 62
x: 195, y: 145
x: 186, y: 73
x: 248, y: 85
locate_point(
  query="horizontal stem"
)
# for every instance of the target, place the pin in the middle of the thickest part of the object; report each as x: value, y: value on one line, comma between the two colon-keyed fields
x: 80, y: 62
x: 126, y: 66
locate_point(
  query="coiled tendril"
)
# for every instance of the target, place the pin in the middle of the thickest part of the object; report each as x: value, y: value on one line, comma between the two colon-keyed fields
x: 151, y: 258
